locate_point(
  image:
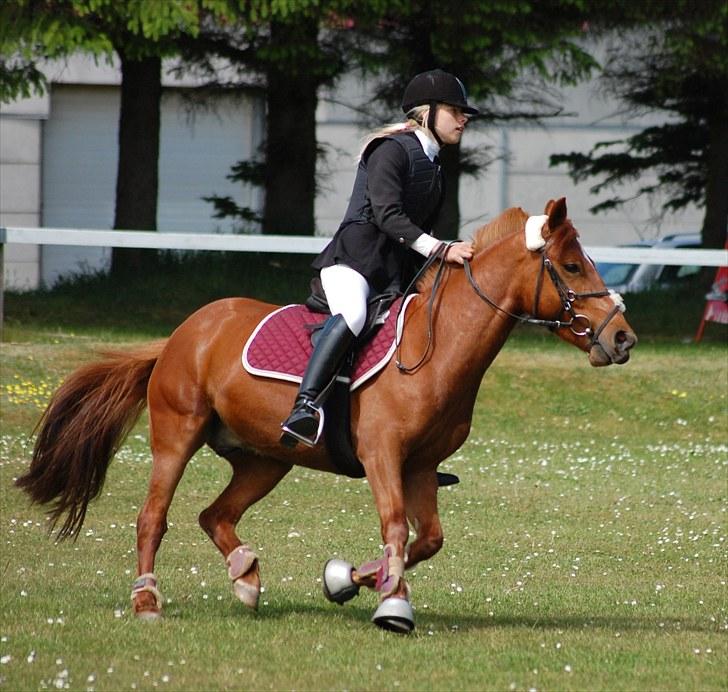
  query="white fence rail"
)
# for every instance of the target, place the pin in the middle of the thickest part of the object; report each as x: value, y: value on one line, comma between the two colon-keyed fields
x: 305, y: 244
x: 295, y: 244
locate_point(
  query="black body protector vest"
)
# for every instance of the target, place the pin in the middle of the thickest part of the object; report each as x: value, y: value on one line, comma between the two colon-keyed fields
x: 423, y: 187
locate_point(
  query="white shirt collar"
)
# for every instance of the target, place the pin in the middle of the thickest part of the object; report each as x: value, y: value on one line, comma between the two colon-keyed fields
x: 431, y: 147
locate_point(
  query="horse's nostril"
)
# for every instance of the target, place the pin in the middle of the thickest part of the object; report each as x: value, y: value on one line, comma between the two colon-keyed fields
x: 625, y: 340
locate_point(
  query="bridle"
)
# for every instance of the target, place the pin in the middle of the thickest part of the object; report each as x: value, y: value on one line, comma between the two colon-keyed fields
x: 579, y: 324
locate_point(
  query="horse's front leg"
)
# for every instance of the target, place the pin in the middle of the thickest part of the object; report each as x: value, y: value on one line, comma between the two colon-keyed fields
x: 386, y: 574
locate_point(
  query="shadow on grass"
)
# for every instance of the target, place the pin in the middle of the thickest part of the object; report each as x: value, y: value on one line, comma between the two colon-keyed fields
x: 360, y: 612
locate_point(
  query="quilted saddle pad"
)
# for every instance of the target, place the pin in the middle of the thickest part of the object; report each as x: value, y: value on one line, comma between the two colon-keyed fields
x: 280, y: 346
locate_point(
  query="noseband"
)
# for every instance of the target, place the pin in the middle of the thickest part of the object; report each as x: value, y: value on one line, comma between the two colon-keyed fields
x: 579, y: 324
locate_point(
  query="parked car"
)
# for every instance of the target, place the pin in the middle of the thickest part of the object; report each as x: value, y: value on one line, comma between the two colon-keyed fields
x: 633, y: 278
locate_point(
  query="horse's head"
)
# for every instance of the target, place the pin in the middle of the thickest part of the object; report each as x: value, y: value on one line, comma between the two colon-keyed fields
x: 571, y: 293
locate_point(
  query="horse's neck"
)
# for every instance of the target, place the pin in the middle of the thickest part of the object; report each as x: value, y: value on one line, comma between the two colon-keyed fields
x: 473, y: 332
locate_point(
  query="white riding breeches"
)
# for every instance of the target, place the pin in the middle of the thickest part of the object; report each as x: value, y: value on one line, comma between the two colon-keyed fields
x: 347, y: 292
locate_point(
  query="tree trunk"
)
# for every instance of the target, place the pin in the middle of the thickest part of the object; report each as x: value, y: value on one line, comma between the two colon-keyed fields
x: 290, y: 171
x: 715, y: 221
x: 137, y: 178
x: 448, y: 222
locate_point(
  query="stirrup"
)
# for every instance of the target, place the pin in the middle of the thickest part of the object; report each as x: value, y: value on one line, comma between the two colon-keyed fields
x: 291, y: 437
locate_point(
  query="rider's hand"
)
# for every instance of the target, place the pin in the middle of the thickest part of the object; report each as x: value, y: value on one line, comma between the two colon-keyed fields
x: 457, y: 253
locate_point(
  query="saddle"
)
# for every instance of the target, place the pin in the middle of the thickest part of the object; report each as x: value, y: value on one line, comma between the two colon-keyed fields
x: 281, y: 345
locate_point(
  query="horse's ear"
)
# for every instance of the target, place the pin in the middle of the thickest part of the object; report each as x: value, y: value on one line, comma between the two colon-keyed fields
x: 556, y: 211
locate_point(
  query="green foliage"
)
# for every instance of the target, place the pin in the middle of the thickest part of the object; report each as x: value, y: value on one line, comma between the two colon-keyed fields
x: 507, y: 53
x: 675, y: 153
x: 672, y: 58
x: 227, y: 208
x: 36, y: 30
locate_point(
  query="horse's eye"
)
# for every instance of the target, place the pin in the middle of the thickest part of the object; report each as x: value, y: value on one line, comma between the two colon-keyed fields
x: 572, y: 268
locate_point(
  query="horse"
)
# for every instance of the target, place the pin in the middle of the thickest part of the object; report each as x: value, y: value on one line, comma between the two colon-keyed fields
x: 404, y: 422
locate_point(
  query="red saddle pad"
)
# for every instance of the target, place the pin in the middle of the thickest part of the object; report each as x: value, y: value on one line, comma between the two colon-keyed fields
x: 280, y: 346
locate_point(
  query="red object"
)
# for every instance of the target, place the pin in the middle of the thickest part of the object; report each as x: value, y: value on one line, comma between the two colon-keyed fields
x: 716, y: 305
x: 280, y: 346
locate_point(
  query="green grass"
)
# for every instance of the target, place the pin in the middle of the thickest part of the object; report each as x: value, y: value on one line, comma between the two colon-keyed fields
x: 585, y: 548
x: 154, y: 303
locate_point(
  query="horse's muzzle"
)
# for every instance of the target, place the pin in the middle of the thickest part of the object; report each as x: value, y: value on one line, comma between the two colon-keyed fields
x: 613, y: 348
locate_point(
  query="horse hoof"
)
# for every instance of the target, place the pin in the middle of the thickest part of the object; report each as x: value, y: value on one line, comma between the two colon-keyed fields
x: 246, y: 594
x: 337, y: 582
x: 395, y: 614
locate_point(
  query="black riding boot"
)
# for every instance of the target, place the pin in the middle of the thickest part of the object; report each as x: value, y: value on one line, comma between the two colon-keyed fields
x: 330, y: 349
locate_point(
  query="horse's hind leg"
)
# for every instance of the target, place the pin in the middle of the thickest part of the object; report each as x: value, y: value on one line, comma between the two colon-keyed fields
x: 253, y: 478
x: 175, y: 437
x: 421, y: 504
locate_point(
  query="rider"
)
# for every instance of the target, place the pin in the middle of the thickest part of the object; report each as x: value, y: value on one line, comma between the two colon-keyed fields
x: 397, y: 193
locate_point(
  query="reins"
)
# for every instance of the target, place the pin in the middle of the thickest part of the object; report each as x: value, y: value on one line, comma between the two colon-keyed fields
x: 567, y: 295
x: 568, y: 298
x: 437, y: 256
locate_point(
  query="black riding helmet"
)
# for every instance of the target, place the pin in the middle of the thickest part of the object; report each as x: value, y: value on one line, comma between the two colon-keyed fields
x: 433, y: 87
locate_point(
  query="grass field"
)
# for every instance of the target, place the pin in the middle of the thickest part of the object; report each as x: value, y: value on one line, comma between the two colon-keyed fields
x: 585, y: 546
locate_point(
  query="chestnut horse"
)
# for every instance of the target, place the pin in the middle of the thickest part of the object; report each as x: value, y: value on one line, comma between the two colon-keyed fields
x: 404, y: 421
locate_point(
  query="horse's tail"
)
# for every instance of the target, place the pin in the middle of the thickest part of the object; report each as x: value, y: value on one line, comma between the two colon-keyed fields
x: 85, y: 423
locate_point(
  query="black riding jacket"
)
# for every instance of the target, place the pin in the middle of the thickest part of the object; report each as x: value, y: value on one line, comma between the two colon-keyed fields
x: 396, y: 196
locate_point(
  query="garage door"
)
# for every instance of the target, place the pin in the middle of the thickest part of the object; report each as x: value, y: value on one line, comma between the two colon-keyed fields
x: 196, y: 152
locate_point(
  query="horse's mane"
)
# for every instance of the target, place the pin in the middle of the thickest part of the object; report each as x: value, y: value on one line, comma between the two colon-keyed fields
x: 508, y: 222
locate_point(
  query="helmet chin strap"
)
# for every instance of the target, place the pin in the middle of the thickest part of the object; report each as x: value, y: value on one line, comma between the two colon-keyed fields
x: 431, y: 122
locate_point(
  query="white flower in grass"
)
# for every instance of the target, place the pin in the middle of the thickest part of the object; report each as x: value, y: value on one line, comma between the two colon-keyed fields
x: 5, y: 659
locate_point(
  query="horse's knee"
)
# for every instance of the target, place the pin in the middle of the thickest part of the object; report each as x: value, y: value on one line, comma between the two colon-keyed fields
x: 431, y: 545
x: 207, y: 522
x: 434, y: 544
x: 424, y: 548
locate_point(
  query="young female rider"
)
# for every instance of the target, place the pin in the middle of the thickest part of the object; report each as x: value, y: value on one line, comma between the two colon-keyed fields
x: 397, y: 194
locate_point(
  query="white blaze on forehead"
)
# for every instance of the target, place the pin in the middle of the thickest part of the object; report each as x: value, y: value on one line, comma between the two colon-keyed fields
x: 617, y: 300
x: 534, y: 239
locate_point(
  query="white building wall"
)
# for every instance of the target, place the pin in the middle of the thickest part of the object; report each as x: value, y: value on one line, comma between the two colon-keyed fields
x: 197, y: 150
x: 21, y: 125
